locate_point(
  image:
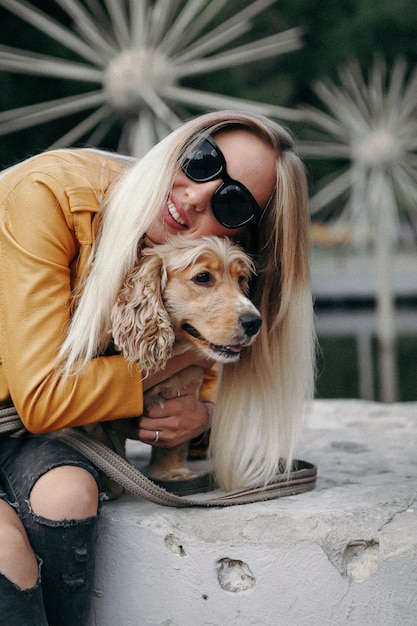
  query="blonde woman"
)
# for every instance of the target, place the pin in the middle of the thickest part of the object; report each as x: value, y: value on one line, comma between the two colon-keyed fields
x: 71, y: 227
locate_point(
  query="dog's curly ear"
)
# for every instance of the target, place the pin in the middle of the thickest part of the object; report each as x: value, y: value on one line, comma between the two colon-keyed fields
x: 141, y: 328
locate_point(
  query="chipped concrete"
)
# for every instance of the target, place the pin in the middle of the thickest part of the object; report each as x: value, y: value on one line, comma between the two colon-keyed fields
x: 234, y: 575
x: 345, y: 553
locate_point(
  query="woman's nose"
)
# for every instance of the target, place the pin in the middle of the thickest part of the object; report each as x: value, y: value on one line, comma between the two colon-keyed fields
x: 200, y: 194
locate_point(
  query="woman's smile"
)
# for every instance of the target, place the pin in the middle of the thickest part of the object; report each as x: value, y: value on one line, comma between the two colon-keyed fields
x: 174, y: 212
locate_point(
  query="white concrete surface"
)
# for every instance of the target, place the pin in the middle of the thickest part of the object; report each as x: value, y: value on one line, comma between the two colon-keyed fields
x: 344, y: 554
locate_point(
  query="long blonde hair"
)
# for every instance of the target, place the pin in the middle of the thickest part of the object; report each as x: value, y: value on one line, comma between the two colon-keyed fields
x: 262, y: 398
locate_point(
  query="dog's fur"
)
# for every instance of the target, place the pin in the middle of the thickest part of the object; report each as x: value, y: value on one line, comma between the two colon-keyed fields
x: 181, y: 295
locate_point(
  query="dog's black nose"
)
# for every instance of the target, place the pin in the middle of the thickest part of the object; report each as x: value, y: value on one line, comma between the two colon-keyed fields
x: 251, y: 323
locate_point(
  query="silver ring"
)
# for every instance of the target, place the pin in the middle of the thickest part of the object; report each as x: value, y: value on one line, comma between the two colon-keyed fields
x: 178, y: 394
x: 156, y: 437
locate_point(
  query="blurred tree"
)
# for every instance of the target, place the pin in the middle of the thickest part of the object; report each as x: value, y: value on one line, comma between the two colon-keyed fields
x: 335, y: 31
x: 135, y: 63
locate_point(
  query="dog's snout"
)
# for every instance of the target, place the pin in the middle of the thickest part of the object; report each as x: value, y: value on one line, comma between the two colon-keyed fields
x: 251, y: 323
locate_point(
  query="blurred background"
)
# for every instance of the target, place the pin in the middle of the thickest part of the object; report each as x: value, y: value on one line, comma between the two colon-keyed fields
x: 340, y: 74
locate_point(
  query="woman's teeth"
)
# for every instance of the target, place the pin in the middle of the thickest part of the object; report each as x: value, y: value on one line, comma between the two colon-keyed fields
x: 174, y: 213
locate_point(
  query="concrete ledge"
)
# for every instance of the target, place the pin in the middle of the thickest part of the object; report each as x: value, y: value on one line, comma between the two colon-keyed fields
x: 345, y: 553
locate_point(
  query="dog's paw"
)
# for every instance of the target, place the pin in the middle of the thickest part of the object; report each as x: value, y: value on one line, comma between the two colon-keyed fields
x: 176, y: 473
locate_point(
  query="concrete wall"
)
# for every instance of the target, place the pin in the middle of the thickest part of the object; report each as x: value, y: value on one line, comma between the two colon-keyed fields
x: 345, y: 553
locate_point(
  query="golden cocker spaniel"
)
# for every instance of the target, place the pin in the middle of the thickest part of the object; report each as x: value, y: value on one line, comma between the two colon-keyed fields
x: 184, y: 294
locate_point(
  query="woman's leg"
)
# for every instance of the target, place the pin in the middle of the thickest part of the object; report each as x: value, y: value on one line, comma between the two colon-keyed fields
x: 20, y: 592
x: 54, y: 491
x: 62, y: 528
x: 65, y: 492
x: 17, y: 561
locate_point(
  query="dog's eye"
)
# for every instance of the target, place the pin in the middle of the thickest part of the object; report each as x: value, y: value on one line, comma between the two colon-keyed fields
x: 204, y: 278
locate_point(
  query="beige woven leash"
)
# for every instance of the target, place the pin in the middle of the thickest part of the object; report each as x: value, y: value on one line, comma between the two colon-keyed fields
x: 117, y: 468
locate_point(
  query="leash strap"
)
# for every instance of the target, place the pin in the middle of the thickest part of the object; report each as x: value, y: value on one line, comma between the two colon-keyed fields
x: 10, y: 422
x: 302, y: 479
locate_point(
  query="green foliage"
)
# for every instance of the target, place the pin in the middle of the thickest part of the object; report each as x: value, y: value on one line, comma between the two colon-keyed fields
x: 337, y: 371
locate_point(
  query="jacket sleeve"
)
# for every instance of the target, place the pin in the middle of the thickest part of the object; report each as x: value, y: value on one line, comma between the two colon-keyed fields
x: 38, y: 253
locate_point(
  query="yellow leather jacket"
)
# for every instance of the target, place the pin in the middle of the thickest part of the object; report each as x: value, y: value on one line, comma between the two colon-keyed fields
x: 47, y: 210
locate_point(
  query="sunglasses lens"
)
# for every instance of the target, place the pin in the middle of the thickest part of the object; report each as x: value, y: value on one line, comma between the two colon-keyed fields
x: 232, y: 204
x: 232, y: 207
x: 204, y: 163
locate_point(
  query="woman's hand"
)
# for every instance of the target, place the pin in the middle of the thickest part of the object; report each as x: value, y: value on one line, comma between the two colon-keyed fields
x: 179, y: 419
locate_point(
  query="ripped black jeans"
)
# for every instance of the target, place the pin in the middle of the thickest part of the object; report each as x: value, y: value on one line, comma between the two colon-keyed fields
x: 65, y: 550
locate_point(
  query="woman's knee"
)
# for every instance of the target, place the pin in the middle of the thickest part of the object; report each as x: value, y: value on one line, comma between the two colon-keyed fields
x: 17, y: 560
x: 65, y: 493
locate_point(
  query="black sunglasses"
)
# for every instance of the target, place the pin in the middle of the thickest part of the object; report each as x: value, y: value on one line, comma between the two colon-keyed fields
x: 232, y: 203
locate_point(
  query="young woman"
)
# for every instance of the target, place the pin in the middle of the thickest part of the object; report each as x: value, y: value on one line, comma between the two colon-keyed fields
x: 71, y: 227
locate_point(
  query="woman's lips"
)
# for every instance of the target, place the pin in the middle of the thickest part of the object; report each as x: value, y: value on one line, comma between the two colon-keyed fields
x: 172, y: 215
